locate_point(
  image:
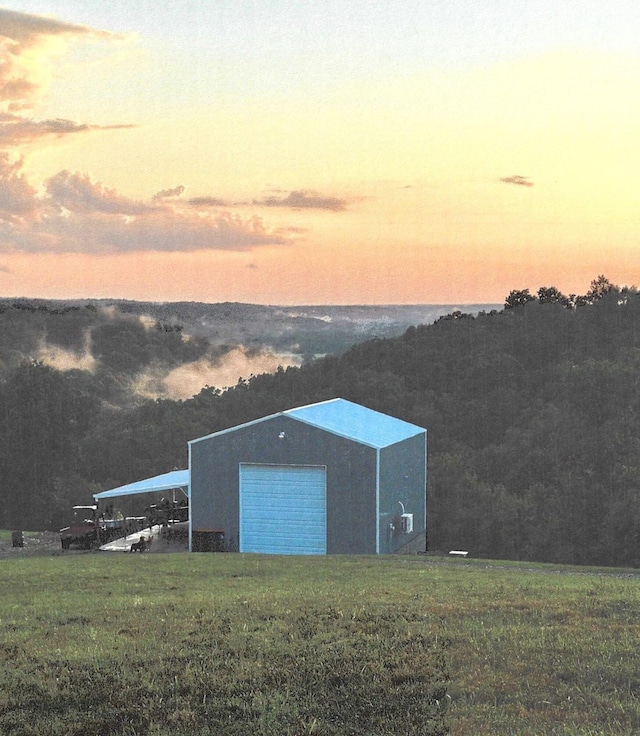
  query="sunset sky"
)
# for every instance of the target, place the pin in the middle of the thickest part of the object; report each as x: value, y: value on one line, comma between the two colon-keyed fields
x: 318, y: 151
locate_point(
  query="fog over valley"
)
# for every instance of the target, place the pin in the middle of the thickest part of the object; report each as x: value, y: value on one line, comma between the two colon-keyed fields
x: 172, y: 350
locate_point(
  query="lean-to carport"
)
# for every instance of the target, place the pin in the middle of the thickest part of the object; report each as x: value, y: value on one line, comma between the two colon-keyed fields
x: 165, y: 482
x: 176, y: 479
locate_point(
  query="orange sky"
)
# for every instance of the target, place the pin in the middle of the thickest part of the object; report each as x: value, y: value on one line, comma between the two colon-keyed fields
x: 337, y: 153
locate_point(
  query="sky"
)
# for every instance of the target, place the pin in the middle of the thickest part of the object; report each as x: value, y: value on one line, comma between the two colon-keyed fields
x: 318, y: 151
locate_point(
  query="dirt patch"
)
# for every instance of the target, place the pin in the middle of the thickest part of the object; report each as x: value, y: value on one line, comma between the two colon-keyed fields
x: 48, y: 543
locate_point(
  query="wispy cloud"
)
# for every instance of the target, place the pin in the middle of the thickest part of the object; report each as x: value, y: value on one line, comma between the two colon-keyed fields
x: 16, y: 130
x: 29, y: 45
x: 304, y: 199
x: 521, y: 181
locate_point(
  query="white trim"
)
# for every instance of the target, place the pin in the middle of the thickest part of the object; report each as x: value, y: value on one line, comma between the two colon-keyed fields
x: 190, y: 502
x: 378, y: 501
x: 426, y: 487
x: 233, y: 429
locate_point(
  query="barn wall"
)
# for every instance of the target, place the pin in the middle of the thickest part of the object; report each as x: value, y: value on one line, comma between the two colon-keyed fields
x: 351, y: 478
x: 402, y: 478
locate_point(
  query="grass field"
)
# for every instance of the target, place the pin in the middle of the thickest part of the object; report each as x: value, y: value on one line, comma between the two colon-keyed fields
x: 232, y: 644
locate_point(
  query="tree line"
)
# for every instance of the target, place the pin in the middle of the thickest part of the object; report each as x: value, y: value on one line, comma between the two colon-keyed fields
x: 532, y: 412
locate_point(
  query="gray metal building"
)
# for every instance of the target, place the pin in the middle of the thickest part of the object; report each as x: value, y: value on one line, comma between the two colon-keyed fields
x: 328, y: 478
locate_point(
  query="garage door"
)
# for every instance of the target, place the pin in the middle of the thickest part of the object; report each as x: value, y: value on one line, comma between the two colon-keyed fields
x: 283, y: 509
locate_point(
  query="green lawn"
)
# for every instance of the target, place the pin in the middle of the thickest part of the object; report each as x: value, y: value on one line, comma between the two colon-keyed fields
x: 234, y: 644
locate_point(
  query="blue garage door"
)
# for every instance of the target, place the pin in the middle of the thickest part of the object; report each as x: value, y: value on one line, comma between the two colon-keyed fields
x: 283, y: 509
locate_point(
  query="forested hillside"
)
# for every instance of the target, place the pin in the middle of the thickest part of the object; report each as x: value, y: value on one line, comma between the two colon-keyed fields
x: 533, y: 415
x: 143, y: 350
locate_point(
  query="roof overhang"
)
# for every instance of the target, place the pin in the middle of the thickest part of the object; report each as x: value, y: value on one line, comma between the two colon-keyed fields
x: 164, y: 482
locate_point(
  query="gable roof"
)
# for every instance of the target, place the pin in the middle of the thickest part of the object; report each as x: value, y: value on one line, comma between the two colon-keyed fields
x: 355, y: 422
x: 343, y: 418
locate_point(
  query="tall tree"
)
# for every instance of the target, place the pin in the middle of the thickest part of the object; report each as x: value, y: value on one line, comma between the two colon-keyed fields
x: 551, y: 295
x: 518, y: 298
x: 600, y: 287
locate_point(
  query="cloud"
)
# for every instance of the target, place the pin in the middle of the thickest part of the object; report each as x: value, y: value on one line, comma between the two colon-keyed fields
x: 521, y: 181
x: 208, y: 202
x: 4, y: 269
x: 290, y: 230
x: 17, y: 196
x: 25, y: 29
x: 78, y: 193
x: 304, y: 199
x: 154, y: 231
x: 27, y: 42
x: 15, y: 130
x: 74, y: 214
x: 169, y: 193
x: 28, y: 46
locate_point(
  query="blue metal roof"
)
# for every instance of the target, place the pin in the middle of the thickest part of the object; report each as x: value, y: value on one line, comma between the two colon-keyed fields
x: 164, y: 482
x: 355, y: 422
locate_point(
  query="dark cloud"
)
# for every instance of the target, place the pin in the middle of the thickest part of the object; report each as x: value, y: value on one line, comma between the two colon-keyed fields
x: 304, y: 199
x: 169, y: 193
x: 208, y: 202
x: 521, y: 181
x: 16, y: 130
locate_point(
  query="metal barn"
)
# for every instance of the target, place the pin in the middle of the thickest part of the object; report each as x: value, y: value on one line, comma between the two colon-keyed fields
x: 328, y: 478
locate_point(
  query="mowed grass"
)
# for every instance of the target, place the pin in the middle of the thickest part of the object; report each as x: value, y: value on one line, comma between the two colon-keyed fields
x: 540, y: 651
x: 234, y: 644
x: 214, y: 644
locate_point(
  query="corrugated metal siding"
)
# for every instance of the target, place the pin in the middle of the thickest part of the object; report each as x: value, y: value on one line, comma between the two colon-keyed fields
x: 402, y: 485
x: 283, y: 509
